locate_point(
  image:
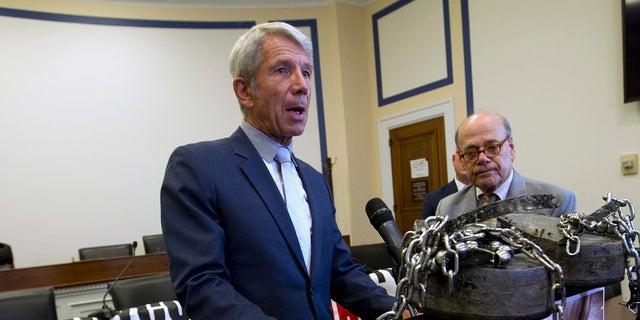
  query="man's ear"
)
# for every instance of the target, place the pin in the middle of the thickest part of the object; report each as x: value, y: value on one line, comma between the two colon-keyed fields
x: 512, y: 148
x: 243, y: 92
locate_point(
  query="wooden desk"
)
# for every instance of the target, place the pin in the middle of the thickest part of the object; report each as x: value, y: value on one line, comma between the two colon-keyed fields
x: 82, y: 272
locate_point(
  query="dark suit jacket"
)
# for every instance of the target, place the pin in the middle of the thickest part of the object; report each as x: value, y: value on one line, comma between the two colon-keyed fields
x: 431, y: 199
x: 465, y: 200
x: 233, y: 251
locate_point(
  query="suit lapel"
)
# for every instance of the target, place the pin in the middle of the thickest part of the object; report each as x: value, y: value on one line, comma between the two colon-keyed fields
x: 263, y: 184
x: 521, y: 186
x: 470, y: 200
x: 517, y: 187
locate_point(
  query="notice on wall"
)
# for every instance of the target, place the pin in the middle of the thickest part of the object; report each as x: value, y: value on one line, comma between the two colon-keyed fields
x: 419, y: 168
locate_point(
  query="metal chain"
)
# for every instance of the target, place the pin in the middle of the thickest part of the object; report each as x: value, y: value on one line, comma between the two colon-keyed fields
x: 621, y: 225
x: 568, y: 228
x: 618, y: 224
x: 428, y: 250
x: 533, y: 251
x: 419, y: 249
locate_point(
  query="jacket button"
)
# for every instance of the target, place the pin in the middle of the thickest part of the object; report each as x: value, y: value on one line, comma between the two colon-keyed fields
x: 310, y: 291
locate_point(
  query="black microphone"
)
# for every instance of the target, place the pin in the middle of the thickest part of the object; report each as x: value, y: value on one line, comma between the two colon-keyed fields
x: 381, y: 219
x: 107, y: 312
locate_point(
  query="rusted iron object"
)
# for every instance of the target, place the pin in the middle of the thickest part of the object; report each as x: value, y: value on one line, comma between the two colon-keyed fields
x: 520, y: 291
x: 600, y: 260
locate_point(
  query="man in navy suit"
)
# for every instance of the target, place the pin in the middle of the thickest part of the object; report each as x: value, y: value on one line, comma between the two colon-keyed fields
x: 234, y: 251
x: 487, y: 150
x: 431, y: 199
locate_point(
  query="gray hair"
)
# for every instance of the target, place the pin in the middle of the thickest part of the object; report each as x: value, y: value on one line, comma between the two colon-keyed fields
x: 246, y: 54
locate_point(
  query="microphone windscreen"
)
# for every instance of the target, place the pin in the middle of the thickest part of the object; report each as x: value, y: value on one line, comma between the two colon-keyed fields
x: 378, y: 212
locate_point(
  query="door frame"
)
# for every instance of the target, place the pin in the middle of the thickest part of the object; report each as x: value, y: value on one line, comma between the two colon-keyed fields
x: 443, y: 108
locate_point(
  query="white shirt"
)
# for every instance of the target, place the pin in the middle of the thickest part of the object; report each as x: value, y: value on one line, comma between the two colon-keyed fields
x: 268, y: 148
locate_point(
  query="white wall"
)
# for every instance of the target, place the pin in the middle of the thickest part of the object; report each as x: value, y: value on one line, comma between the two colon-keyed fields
x: 88, y: 117
x: 554, y: 69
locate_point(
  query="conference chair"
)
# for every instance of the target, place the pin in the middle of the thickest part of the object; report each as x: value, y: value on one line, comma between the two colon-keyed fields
x: 135, y: 292
x: 28, y: 304
x: 6, y: 257
x: 109, y: 251
x: 153, y: 243
x: 372, y: 256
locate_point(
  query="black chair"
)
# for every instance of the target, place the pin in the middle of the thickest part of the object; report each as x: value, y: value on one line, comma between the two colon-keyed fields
x: 153, y: 243
x: 612, y: 290
x: 135, y: 292
x: 372, y: 256
x: 110, y: 251
x: 28, y: 304
x: 6, y: 257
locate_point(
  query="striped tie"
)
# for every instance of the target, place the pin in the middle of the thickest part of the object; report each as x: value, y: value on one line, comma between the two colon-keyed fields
x: 294, y: 196
x: 489, y: 197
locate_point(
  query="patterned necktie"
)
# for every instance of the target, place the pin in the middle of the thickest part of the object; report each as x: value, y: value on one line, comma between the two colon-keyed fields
x: 489, y: 197
x: 295, y: 198
x: 485, y: 199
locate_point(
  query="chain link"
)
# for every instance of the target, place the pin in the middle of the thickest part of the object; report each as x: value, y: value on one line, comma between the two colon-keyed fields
x: 622, y: 226
x: 619, y: 224
x: 535, y: 252
x: 428, y: 250
x: 568, y: 228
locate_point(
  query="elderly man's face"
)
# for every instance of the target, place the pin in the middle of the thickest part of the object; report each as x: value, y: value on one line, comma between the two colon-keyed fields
x: 280, y: 106
x: 492, y: 166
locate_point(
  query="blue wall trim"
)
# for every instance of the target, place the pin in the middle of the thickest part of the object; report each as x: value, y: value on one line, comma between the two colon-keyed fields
x: 421, y: 89
x: 125, y: 22
x: 318, y: 88
x: 197, y: 25
x: 466, y: 40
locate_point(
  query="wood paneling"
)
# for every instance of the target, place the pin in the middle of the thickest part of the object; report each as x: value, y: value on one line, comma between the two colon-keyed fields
x: 82, y: 272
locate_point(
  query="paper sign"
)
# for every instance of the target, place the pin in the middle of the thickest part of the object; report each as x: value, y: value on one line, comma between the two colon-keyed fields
x: 419, y: 168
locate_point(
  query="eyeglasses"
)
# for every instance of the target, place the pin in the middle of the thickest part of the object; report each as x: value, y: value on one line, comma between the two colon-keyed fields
x: 491, y: 151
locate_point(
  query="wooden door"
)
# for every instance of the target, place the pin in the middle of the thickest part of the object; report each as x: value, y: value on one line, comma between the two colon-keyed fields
x: 418, y: 165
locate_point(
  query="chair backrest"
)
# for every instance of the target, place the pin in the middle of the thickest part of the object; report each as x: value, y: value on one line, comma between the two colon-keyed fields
x: 6, y: 256
x: 135, y: 292
x: 28, y: 304
x: 372, y: 256
x: 153, y: 243
x: 110, y: 251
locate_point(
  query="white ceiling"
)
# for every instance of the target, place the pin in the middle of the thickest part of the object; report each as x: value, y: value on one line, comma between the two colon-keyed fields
x: 240, y: 3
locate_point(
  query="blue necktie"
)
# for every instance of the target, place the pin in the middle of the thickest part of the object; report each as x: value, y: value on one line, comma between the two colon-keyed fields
x: 295, y: 198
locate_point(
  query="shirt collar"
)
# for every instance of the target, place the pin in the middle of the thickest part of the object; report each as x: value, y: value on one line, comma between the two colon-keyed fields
x: 459, y: 184
x: 266, y: 146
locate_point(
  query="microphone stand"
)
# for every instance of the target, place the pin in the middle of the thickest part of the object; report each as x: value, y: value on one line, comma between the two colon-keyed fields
x: 107, y: 312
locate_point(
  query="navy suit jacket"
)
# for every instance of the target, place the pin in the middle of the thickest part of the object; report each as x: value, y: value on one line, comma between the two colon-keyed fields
x: 233, y: 252
x: 431, y: 199
x: 465, y: 200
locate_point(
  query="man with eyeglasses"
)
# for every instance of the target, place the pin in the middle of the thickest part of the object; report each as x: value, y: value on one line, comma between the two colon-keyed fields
x: 486, y: 150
